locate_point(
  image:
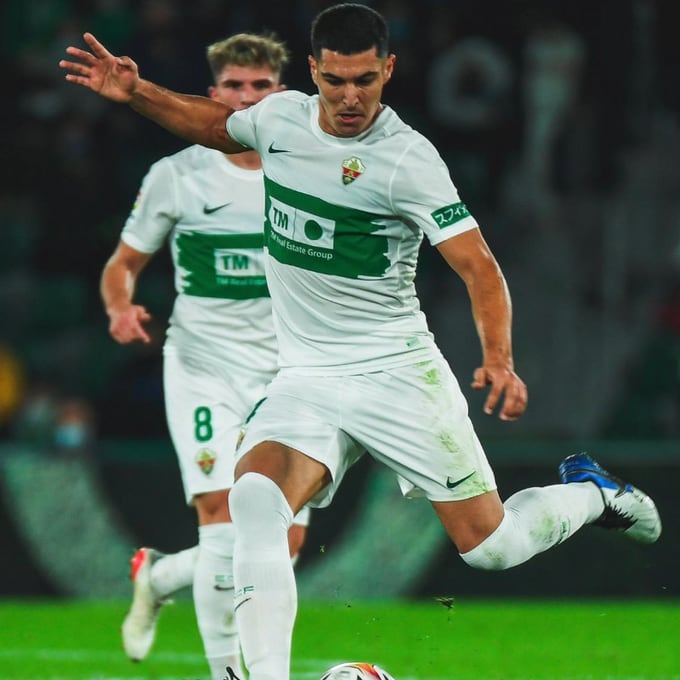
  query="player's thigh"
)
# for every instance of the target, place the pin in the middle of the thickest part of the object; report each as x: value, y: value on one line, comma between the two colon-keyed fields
x: 302, y: 413
x: 415, y: 420
x: 204, y: 413
x: 299, y: 477
x: 468, y: 522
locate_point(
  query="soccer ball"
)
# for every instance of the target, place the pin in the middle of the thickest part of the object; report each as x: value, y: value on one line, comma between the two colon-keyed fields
x: 356, y: 671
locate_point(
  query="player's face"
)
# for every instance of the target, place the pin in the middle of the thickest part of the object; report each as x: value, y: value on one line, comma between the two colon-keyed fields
x: 242, y: 86
x: 350, y: 88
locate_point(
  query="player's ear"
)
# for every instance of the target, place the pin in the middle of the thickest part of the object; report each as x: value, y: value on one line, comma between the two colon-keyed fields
x: 281, y: 87
x: 389, y: 66
x: 312, y: 68
x: 212, y: 92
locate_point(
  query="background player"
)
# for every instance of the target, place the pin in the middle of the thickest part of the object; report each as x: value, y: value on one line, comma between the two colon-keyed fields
x: 220, y: 350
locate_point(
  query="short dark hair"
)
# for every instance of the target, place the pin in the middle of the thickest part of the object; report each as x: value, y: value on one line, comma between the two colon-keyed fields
x: 349, y: 28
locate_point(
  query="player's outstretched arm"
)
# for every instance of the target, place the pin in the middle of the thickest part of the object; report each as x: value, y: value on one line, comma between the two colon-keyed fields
x: 199, y: 120
x: 469, y: 255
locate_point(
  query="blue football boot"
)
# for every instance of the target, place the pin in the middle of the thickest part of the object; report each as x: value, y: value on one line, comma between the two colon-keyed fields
x: 626, y: 508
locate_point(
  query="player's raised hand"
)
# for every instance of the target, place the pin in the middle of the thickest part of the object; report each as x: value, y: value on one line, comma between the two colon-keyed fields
x: 115, y: 78
x: 126, y: 324
x: 504, y: 383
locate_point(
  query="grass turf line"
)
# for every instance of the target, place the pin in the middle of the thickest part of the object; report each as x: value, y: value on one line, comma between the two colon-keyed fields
x: 422, y: 640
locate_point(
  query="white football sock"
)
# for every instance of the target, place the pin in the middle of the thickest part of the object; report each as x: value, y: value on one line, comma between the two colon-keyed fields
x: 174, y: 571
x: 536, y: 519
x: 214, y: 599
x: 266, y: 596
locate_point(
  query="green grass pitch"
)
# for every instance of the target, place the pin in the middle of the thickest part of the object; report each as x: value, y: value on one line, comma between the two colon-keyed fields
x: 421, y: 640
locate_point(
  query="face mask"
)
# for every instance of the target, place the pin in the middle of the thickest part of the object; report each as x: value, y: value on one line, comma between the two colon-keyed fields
x: 70, y: 436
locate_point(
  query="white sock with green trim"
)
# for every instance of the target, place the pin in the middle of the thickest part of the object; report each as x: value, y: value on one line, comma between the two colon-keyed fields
x: 266, y: 596
x: 214, y: 599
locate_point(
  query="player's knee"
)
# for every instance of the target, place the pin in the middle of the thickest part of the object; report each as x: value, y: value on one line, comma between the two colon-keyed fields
x: 212, y: 507
x: 495, y: 552
x: 296, y: 539
x: 487, y: 561
x: 258, y: 507
x: 490, y: 563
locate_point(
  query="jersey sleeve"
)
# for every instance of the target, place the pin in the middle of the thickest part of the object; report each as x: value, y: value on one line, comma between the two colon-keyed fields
x: 154, y: 213
x: 241, y: 127
x: 248, y: 127
x: 423, y: 193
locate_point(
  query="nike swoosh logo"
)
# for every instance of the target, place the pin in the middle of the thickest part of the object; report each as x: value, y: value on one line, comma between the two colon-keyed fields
x: 242, y: 602
x: 272, y: 149
x: 453, y: 485
x: 207, y: 210
x: 231, y: 675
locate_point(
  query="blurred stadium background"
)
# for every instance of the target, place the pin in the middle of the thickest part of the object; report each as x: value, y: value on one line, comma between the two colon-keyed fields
x: 560, y: 125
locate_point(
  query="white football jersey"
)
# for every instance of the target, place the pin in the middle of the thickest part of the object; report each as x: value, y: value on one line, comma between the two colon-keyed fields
x: 344, y: 220
x: 212, y: 213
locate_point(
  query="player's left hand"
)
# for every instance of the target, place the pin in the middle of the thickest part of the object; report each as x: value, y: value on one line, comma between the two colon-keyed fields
x: 506, y: 384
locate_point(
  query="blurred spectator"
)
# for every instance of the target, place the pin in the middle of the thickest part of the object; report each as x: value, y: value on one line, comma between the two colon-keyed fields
x: 553, y: 63
x: 50, y: 423
x: 74, y: 427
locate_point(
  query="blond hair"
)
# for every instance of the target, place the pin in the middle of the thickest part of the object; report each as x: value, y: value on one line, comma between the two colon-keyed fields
x: 248, y: 49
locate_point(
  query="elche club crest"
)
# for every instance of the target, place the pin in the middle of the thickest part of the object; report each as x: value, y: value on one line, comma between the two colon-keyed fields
x: 352, y: 168
x: 205, y: 459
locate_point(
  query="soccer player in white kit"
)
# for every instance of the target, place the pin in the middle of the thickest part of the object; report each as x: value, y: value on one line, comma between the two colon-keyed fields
x: 350, y: 192
x: 220, y: 351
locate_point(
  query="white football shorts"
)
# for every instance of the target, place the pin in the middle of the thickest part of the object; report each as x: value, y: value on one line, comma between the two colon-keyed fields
x: 206, y: 404
x: 414, y: 419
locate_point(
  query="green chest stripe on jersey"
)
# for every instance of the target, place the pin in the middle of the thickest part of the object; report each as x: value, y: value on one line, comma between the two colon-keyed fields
x: 307, y: 232
x: 450, y: 214
x: 222, y: 265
